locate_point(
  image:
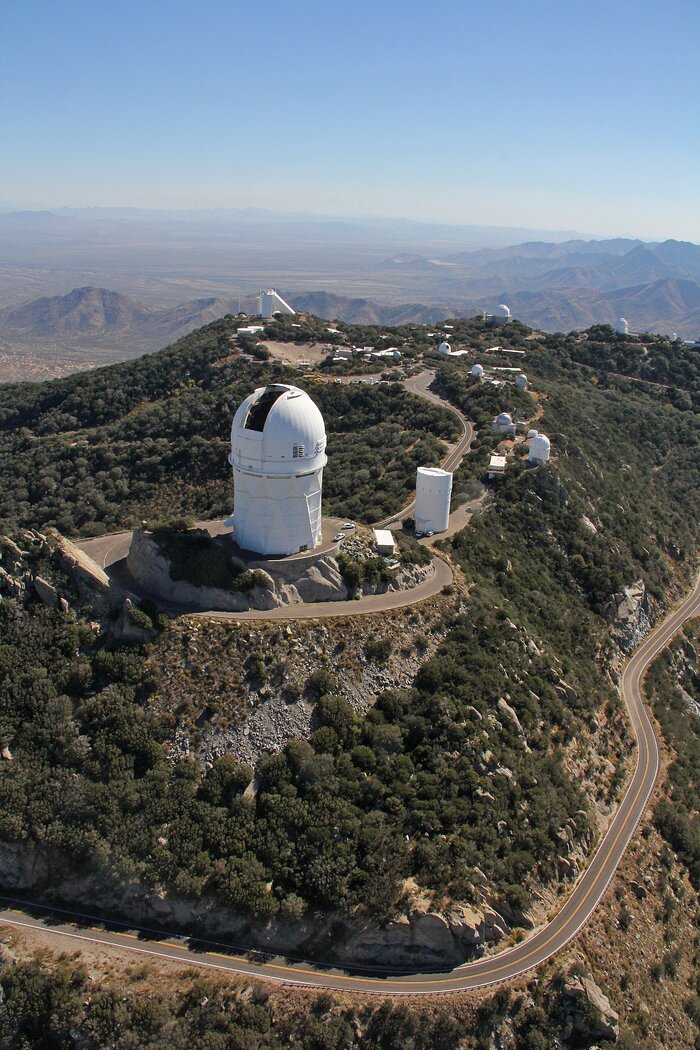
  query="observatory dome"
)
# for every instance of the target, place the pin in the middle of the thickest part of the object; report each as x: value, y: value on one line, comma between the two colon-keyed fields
x: 521, y: 381
x: 532, y: 433
x: 503, y: 311
x: 278, y: 428
x: 477, y: 370
x: 539, y: 449
x: 622, y: 325
x: 504, y: 419
x: 278, y: 452
x: 444, y: 347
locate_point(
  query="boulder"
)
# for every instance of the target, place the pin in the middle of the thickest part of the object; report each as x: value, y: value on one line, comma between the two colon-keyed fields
x: 590, y: 1012
x: 505, y: 709
x: 46, y: 592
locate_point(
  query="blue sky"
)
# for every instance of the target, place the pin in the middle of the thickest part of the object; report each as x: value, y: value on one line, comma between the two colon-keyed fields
x: 575, y: 115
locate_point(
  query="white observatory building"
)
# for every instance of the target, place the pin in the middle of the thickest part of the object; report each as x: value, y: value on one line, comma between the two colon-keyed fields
x: 271, y: 303
x: 502, y: 314
x: 539, y: 449
x: 433, y: 492
x: 521, y: 381
x: 477, y: 371
x: 622, y: 326
x: 278, y: 452
x: 503, y: 424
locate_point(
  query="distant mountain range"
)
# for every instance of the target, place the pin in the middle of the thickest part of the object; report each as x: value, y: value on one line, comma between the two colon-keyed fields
x: 551, y: 286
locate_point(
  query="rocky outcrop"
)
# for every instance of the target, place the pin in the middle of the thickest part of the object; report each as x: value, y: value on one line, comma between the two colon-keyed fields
x: 419, y: 937
x: 292, y: 581
x: 22, y: 867
x: 632, y: 616
x: 588, y: 1011
x: 150, y: 569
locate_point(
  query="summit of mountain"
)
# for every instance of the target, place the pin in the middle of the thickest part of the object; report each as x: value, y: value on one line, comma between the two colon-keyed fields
x: 83, y: 310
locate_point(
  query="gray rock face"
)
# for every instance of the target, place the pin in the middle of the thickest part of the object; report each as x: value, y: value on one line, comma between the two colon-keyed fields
x: 46, y: 592
x: 590, y: 1013
x: 21, y: 867
x: 633, y: 616
x: 291, y: 582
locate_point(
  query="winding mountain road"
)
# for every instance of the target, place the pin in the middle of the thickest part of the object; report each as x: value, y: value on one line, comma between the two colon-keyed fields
x: 508, y: 964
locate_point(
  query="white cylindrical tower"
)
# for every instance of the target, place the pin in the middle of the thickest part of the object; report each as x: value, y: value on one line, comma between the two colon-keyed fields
x: 521, y: 381
x: 539, y: 449
x: 278, y: 452
x: 477, y: 370
x: 622, y: 326
x: 433, y: 491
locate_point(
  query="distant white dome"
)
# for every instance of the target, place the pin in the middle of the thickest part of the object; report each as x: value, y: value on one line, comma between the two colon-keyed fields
x: 505, y: 418
x: 521, y: 381
x: 477, y: 370
x: 444, y: 348
x: 503, y: 310
x: 275, y: 429
x: 622, y: 326
x: 539, y: 449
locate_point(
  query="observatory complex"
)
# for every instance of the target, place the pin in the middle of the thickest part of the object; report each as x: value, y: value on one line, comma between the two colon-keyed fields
x: 278, y: 452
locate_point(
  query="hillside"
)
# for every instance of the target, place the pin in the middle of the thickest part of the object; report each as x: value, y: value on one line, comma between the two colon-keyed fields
x: 463, y: 756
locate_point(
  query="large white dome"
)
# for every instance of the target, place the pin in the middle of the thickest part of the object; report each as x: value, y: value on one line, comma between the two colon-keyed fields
x: 278, y: 429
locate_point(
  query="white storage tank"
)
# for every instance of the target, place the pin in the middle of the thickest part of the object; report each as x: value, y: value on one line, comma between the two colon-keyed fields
x: 278, y: 452
x: 539, y: 449
x: 433, y: 492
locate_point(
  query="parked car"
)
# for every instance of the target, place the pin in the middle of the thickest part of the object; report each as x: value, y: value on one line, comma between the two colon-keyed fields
x: 349, y: 525
x: 340, y: 536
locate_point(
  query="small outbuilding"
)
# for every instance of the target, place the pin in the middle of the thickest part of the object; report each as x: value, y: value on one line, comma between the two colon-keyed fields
x: 497, y: 465
x: 384, y: 541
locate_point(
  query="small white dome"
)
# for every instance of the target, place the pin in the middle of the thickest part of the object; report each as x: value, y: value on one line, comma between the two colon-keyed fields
x: 505, y: 418
x: 521, y: 381
x: 503, y: 310
x: 477, y: 370
x: 444, y: 348
x: 278, y: 429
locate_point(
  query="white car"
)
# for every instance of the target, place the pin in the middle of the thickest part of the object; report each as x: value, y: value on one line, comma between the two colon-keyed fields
x: 349, y: 525
x: 339, y: 537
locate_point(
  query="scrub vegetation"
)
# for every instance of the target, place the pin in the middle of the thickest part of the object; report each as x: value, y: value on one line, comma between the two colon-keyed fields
x: 149, y: 439
x: 461, y: 782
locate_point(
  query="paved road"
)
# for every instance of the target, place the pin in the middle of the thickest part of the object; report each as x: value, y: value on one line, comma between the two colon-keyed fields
x: 512, y: 962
